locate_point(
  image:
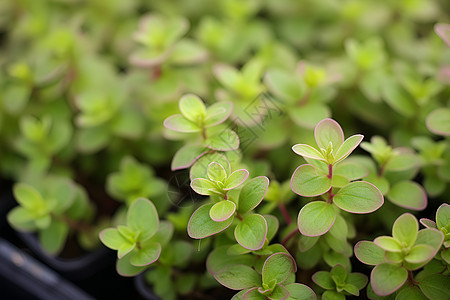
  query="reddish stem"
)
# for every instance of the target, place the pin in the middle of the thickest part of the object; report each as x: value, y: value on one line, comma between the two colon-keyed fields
x: 289, y: 236
x: 330, y: 191
x: 285, y: 213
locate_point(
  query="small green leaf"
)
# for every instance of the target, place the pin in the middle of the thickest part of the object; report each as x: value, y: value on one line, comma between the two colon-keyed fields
x: 410, y: 293
x: 192, y: 108
x: 272, y: 226
x: 316, y: 218
x: 220, y: 258
x: 351, y: 289
x: 199, y: 168
x: 235, y: 179
x: 388, y: 243
x: 324, y: 280
x: 181, y: 124
x: 21, y: 219
x: 309, y: 114
x: 419, y: 254
x: 338, y: 274
x: 409, y: 195
x: 350, y: 170
x: 112, y: 238
x: 251, y: 232
x: 252, y: 193
x: 203, y: 186
x: 222, y: 210
x: 369, y: 253
x: 253, y: 294
x: 279, y: 293
x: 298, y: 291
x: 278, y: 267
x: 125, y: 249
x: 428, y: 223
x: 326, y: 131
x: 125, y: 268
x: 186, y: 156
x: 347, y: 147
x: 308, y: 151
x: 307, y: 242
x: 387, y: 278
x: 405, y: 229
x: 226, y: 140
x: 306, y: 182
x: 443, y: 216
x: 143, y: 217
x: 238, y: 277
x: 28, y: 197
x: 359, y: 197
x: 146, y: 255
x: 358, y: 280
x: 438, y: 121
x: 54, y: 236
x: 216, y: 172
x: 436, y: 287
x: 201, y: 225
x: 332, y: 295
x: 217, y: 113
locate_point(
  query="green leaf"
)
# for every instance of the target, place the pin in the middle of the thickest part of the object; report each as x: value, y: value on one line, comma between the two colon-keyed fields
x: 112, y: 238
x: 435, y: 287
x: 316, y: 218
x: 235, y: 179
x: 28, y: 197
x: 402, y: 162
x: 272, y: 226
x: 419, y: 254
x: 226, y: 140
x: 307, y: 242
x: 308, y: 115
x: 397, y: 98
x: 216, y: 172
x: 388, y: 243
x: 227, y: 75
x: 43, y: 221
x: 252, y: 193
x: 142, y: 217
x: 285, y: 86
x: 350, y: 170
x: 369, y: 253
x: 192, y: 108
x: 306, y: 182
x: 222, y: 210
x: 347, y: 147
x: 386, y: 278
x: 359, y: 197
x: 358, y: 280
x: 278, y: 293
x: 410, y: 293
x: 338, y: 274
x: 298, y: 291
x: 146, y: 255
x: 220, y: 258
x: 308, y: 151
x: 438, y: 121
x: 351, y: 289
x: 203, y: 186
x: 409, y: 195
x: 251, y: 232
x: 180, y: 124
x: 253, y: 294
x: 443, y: 216
x: 125, y: 249
x: 431, y: 237
x: 332, y: 295
x: 238, y: 277
x: 125, y: 268
x: 199, y: 168
x: 324, y: 280
x: 326, y: 131
x: 201, y: 225
x: 54, y: 237
x: 186, y: 156
x: 405, y: 229
x: 217, y: 113
x: 21, y: 219
x: 278, y: 267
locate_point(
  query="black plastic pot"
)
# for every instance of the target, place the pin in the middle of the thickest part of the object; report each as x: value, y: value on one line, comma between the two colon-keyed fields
x: 71, y: 268
x: 143, y: 289
x: 23, y: 277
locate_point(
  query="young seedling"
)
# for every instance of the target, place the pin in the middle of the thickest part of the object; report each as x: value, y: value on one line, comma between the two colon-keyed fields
x: 339, y: 283
x: 276, y: 280
x: 318, y: 178
x: 139, y: 242
x: 196, y: 119
x: 395, y: 258
x: 404, y: 193
x: 215, y: 217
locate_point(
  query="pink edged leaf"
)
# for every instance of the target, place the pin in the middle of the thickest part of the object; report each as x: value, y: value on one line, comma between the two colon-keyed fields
x: 238, y: 277
x: 251, y: 232
x: 428, y: 223
x: 443, y: 216
x: 236, y: 179
x: 300, y: 291
x: 347, y: 147
x: 222, y: 210
x: 326, y: 131
x: 252, y: 193
x: 443, y: 31
x: 186, y: 156
x: 387, y: 278
x: 369, y: 253
x: 359, y: 197
x: 201, y: 225
x: 405, y: 229
x: 316, y: 218
x: 308, y: 151
x: 202, y: 186
x: 278, y: 267
x: 226, y: 140
x: 180, y: 124
x: 388, y: 243
x: 419, y: 254
x: 126, y: 269
x: 408, y: 194
x: 217, y: 113
x: 216, y: 172
x: 253, y: 294
x: 306, y: 182
x: 438, y: 121
x: 146, y: 255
